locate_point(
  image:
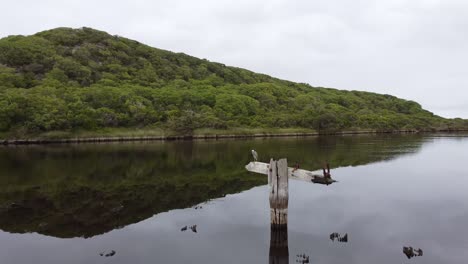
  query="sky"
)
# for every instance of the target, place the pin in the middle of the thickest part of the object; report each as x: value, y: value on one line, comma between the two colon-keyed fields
x: 413, y: 49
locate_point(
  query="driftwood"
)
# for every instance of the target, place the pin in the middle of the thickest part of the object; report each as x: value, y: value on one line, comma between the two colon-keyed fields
x: 293, y: 173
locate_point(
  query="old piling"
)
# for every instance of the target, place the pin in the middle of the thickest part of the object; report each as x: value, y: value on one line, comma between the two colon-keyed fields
x: 278, y: 182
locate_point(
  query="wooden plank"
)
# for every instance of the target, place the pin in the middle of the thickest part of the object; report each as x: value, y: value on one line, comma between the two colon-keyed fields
x: 295, y: 174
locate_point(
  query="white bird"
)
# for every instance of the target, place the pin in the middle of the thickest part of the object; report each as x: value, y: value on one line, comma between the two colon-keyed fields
x: 255, y: 155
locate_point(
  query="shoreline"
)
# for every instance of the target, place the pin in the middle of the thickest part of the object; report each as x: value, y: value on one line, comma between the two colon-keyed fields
x: 104, y: 139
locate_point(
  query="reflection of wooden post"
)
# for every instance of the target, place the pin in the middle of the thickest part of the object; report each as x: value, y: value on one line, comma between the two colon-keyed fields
x: 278, y: 182
x: 279, y: 252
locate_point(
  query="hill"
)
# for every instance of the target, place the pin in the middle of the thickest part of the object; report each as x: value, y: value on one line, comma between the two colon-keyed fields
x: 87, y: 80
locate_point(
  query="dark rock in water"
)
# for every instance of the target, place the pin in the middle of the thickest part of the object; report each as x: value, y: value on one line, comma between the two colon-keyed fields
x: 333, y: 236
x: 344, y: 238
x: 194, y: 228
x: 183, y: 228
x: 419, y: 252
x: 302, y: 258
x: 110, y: 254
x: 338, y: 237
x: 410, y: 252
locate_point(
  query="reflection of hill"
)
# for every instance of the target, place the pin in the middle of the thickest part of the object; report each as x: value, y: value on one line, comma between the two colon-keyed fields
x: 86, y: 190
x: 342, y: 151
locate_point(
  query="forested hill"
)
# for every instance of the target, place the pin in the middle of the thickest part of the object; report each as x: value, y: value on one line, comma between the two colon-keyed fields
x: 87, y: 80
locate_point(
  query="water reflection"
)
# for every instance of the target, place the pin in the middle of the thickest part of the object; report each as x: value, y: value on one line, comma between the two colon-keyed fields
x: 86, y: 190
x: 279, y: 250
x: 382, y: 206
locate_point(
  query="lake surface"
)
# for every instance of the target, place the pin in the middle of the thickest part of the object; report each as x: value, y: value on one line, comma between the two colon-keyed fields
x: 69, y: 203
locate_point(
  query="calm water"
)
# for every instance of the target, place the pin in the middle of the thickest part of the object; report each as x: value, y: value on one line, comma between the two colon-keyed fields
x: 68, y: 203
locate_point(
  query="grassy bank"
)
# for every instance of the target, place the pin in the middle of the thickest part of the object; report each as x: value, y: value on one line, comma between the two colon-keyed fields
x: 149, y: 133
x: 145, y: 134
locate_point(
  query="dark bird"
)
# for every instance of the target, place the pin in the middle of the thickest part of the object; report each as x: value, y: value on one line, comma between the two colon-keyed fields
x: 183, y: 228
x: 194, y: 228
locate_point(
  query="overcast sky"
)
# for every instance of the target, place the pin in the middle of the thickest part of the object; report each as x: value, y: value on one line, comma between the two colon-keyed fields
x: 414, y: 49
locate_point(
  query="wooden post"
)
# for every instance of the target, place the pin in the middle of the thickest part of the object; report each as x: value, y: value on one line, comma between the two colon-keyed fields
x: 278, y: 182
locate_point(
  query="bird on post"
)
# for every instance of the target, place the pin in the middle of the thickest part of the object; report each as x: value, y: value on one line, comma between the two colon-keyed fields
x: 255, y: 155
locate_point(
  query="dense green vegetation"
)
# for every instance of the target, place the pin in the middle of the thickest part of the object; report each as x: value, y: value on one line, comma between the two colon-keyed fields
x: 86, y: 190
x: 85, y: 80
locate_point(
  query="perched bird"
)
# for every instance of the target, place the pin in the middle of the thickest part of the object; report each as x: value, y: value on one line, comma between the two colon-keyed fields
x: 255, y: 155
x: 296, y: 167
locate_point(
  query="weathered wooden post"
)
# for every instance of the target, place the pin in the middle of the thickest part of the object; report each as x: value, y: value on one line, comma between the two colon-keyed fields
x: 278, y: 186
x: 278, y: 182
